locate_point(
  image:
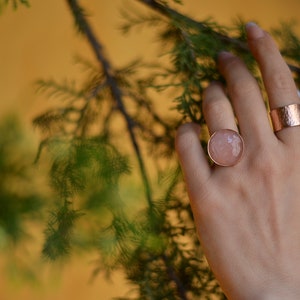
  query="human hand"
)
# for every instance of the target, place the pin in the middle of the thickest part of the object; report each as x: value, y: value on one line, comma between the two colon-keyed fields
x: 248, y: 215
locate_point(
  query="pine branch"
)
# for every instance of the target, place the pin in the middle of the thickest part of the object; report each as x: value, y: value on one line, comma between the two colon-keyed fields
x: 59, y: 231
x: 116, y: 92
x: 66, y: 90
x: 173, y: 14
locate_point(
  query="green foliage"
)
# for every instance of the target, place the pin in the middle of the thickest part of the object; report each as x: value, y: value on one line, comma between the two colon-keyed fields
x: 78, y: 166
x: 19, y: 200
x: 111, y: 129
x: 59, y: 232
x: 78, y: 162
x: 158, y: 249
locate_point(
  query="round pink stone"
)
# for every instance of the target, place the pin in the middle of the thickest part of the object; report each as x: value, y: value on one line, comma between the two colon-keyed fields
x: 225, y: 147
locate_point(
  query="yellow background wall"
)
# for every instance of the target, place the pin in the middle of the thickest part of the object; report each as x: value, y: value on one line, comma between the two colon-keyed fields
x: 40, y: 42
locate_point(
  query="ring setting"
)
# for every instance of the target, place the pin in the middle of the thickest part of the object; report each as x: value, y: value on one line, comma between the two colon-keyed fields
x: 225, y: 147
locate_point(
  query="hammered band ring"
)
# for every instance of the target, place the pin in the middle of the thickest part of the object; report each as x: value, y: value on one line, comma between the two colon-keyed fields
x: 285, y: 116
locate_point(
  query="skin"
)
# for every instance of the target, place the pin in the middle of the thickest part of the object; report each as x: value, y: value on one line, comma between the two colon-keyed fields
x: 248, y: 215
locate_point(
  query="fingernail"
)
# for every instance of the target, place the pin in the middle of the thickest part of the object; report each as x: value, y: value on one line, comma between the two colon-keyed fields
x: 215, y: 83
x: 254, y: 31
x: 225, y: 55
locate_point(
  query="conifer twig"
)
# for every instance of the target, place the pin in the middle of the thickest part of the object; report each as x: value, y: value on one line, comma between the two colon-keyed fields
x: 86, y: 29
x: 172, y: 13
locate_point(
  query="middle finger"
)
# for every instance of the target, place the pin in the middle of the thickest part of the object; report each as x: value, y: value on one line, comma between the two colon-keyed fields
x: 246, y: 98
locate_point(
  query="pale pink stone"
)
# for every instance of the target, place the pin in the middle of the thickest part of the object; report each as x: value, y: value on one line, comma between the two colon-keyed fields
x: 225, y: 147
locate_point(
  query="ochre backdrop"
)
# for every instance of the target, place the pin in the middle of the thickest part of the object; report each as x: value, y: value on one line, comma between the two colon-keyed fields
x: 41, y: 42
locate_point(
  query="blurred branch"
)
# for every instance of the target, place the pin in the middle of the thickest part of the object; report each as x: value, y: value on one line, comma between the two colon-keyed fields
x: 86, y: 29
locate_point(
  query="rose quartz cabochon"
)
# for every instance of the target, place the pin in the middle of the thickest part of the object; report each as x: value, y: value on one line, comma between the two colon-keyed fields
x: 225, y: 147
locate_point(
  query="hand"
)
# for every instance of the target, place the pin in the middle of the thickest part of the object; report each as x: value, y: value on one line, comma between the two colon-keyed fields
x: 248, y: 215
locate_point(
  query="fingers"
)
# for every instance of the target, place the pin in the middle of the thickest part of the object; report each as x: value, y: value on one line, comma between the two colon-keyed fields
x: 245, y: 94
x: 278, y: 80
x: 246, y: 104
x: 277, y: 77
x: 246, y: 98
x: 193, y: 161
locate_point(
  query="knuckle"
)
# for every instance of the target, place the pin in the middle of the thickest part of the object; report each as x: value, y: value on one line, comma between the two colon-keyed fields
x: 242, y: 87
x: 232, y: 63
x: 213, y: 91
x: 280, y: 81
x: 215, y: 107
x: 268, y: 164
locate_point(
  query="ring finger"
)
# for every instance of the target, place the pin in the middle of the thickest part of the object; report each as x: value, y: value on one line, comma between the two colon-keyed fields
x: 225, y: 147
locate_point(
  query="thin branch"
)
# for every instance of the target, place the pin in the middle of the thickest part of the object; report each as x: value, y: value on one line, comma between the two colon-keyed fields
x: 116, y: 92
x: 173, y: 14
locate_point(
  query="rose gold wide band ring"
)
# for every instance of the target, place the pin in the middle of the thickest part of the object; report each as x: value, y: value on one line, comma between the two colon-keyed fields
x: 285, y: 116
